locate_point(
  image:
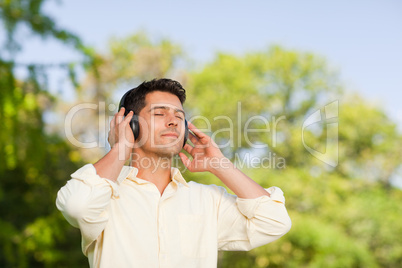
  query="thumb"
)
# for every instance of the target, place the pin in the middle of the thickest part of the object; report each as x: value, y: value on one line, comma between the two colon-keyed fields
x: 185, y: 160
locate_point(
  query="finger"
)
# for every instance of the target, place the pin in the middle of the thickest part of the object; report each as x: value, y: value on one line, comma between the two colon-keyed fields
x: 111, y: 138
x: 188, y: 148
x: 127, y: 119
x: 198, y: 142
x: 108, y: 137
x: 113, y: 122
x: 115, y: 118
x: 120, y: 116
x: 202, y: 137
x: 193, y: 138
x: 185, y: 160
x: 196, y: 131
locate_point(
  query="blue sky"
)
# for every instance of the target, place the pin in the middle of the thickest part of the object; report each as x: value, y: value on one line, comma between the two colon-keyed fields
x: 362, y: 39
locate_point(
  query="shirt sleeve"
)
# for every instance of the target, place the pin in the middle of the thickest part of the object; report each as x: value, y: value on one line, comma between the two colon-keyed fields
x: 83, y: 201
x: 244, y: 224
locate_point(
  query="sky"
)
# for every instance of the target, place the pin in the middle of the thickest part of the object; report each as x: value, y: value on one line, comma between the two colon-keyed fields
x: 361, y: 39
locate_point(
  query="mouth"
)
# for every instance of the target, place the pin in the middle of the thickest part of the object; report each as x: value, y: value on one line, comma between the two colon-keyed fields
x: 171, y: 135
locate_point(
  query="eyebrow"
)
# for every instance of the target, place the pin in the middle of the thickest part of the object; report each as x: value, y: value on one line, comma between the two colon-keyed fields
x: 167, y: 108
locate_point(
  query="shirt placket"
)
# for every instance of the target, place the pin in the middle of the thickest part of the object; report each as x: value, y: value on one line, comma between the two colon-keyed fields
x: 161, y: 225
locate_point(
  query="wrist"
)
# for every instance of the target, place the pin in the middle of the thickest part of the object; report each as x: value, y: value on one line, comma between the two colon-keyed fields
x: 121, y: 152
x: 220, y: 165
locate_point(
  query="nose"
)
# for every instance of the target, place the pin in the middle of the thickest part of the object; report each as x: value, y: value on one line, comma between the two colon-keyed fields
x: 172, y: 121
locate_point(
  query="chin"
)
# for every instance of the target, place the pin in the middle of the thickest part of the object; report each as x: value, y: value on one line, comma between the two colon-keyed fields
x: 173, y: 150
x: 167, y: 153
x: 167, y: 150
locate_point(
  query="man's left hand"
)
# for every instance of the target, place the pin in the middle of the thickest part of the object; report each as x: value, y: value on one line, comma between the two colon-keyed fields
x: 206, y: 156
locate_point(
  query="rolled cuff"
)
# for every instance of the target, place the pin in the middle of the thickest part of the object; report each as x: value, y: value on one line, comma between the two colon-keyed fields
x: 88, y: 175
x: 248, y: 207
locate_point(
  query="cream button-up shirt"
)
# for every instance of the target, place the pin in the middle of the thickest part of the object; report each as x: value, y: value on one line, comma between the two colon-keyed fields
x: 130, y: 224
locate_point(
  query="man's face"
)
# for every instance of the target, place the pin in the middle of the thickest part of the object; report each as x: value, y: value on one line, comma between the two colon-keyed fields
x: 162, y: 124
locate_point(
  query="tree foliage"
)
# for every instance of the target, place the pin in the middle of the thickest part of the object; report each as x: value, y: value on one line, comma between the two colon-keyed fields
x: 271, y: 90
x: 343, y: 216
x: 33, y: 164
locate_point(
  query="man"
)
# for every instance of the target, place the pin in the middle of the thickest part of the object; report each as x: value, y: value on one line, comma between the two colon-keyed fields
x: 146, y: 214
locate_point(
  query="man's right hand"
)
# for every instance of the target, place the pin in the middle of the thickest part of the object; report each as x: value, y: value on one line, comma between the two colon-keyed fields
x: 121, y: 140
x: 120, y: 133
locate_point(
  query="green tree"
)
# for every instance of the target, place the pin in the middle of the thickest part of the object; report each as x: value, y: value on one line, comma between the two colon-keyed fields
x: 343, y: 216
x: 369, y: 142
x: 347, y: 216
x: 127, y: 62
x: 271, y: 91
x: 33, y: 163
x: 337, y: 222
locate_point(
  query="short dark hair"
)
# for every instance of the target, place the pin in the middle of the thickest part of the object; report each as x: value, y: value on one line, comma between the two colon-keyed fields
x: 135, y: 99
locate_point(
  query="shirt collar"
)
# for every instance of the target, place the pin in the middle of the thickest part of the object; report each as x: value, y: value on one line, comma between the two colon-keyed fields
x: 131, y: 173
x: 176, y: 176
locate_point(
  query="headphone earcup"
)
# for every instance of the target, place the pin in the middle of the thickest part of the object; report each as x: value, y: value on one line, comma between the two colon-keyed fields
x: 185, y: 132
x: 135, y: 126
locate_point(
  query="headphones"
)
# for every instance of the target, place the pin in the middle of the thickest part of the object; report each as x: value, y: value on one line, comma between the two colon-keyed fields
x: 134, y: 123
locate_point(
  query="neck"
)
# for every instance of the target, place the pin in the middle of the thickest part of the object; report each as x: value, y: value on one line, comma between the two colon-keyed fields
x: 153, y: 168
